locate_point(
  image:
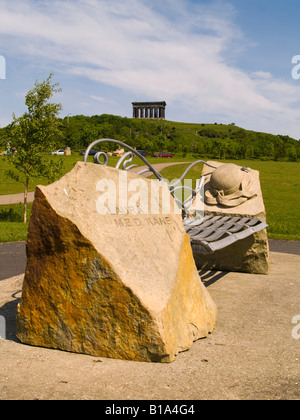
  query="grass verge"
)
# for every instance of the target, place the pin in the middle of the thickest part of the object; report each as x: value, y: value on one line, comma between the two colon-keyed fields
x: 13, y: 231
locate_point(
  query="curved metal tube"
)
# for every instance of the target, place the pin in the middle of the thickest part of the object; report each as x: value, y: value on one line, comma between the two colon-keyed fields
x: 157, y: 174
x: 126, y: 162
x: 187, y: 203
x: 189, y: 168
x: 97, y: 156
x: 143, y: 171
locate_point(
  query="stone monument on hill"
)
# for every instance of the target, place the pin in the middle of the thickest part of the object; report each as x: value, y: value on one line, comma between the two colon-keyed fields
x: 149, y: 110
x: 110, y: 270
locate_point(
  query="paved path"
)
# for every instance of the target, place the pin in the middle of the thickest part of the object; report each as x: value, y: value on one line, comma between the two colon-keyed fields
x: 12, y: 259
x: 158, y: 166
x: 285, y: 247
x: 15, y: 198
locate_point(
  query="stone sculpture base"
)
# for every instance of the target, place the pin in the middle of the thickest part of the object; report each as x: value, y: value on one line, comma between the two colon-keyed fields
x: 112, y: 285
x: 249, y: 255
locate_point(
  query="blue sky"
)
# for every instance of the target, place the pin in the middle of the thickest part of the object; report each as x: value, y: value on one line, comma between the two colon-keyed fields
x: 211, y: 61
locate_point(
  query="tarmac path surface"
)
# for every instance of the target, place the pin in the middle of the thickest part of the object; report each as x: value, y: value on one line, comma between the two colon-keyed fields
x: 12, y: 259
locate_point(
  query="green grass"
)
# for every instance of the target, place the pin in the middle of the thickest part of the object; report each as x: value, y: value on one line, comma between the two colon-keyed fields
x: 10, y: 186
x: 13, y: 231
x: 12, y: 228
x: 280, y: 183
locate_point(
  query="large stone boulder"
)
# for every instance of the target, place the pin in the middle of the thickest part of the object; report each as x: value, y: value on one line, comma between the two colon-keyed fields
x: 107, y: 280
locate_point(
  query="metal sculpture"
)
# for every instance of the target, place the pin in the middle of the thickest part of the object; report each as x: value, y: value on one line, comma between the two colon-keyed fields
x: 208, y: 234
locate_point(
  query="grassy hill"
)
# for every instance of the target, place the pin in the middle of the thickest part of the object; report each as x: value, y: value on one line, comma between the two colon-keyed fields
x: 218, y: 141
x: 197, y: 140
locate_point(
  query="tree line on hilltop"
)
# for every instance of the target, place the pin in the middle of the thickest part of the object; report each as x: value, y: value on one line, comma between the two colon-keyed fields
x: 213, y: 141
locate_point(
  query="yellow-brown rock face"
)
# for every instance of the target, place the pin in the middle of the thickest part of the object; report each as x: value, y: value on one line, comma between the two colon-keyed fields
x: 121, y: 285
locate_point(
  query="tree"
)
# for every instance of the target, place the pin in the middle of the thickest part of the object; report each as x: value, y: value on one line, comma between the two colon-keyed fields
x: 34, y: 134
x: 5, y: 139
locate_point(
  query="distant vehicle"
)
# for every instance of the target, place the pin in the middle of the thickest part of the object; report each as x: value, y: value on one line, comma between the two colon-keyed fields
x: 163, y: 155
x: 92, y: 152
x: 10, y: 151
x: 58, y: 152
x: 142, y: 152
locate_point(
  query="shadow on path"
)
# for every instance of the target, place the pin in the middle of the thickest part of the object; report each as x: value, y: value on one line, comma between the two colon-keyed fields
x: 8, y: 312
x: 209, y: 277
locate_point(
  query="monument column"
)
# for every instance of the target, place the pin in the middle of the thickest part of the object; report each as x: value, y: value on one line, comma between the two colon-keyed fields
x: 152, y: 110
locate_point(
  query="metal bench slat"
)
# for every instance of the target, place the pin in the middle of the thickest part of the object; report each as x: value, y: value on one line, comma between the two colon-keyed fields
x: 217, y: 232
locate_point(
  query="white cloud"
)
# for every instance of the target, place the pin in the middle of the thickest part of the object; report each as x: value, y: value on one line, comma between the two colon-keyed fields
x: 172, y: 50
x: 101, y: 99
